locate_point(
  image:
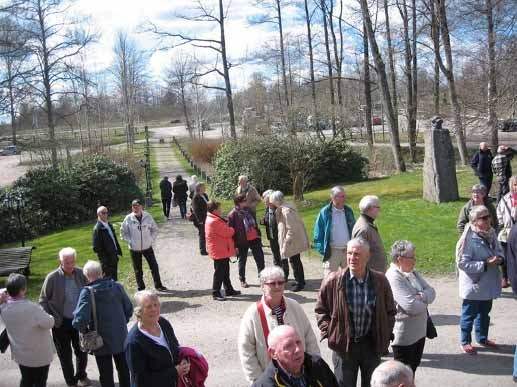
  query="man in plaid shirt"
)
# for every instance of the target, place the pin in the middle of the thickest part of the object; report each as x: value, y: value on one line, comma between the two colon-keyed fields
x: 502, y: 169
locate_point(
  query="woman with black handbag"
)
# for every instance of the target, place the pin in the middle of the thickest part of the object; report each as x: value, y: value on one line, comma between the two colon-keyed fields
x: 412, y: 295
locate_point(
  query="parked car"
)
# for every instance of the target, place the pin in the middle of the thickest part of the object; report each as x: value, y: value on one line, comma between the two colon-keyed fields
x: 376, y: 120
x: 10, y: 150
x: 507, y: 125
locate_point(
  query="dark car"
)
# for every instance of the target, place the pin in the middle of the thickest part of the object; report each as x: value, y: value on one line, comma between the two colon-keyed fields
x: 507, y: 125
x: 10, y: 150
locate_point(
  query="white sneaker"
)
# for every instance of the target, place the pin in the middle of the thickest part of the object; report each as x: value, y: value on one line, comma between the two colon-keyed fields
x: 84, y: 382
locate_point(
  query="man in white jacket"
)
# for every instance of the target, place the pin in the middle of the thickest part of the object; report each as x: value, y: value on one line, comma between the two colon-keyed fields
x: 139, y: 230
x: 272, y: 310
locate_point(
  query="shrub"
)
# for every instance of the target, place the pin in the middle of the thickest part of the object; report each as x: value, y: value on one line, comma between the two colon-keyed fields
x: 55, y: 199
x: 275, y: 162
x: 204, y: 150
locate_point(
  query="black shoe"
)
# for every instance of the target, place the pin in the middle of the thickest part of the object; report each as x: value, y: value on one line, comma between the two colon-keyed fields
x: 140, y: 289
x: 218, y: 297
x: 233, y: 292
x: 297, y: 288
x: 161, y: 288
x: 204, y: 252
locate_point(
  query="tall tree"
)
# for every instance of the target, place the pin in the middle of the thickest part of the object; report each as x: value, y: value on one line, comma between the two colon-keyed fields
x: 54, y: 39
x: 383, y: 79
x: 308, y: 19
x: 179, y: 75
x: 492, y: 74
x: 323, y: 8
x: 367, y: 92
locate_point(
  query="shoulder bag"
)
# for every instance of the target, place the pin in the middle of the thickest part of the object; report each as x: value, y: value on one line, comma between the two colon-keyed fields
x: 91, y: 341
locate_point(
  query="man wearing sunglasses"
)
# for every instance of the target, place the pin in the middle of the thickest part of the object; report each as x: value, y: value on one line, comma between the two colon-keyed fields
x: 272, y: 310
x: 105, y: 244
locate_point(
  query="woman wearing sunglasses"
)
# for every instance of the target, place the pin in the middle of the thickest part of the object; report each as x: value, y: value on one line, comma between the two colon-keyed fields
x: 478, y: 256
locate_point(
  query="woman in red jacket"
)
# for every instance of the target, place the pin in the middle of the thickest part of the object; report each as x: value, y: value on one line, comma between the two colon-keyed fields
x: 220, y: 248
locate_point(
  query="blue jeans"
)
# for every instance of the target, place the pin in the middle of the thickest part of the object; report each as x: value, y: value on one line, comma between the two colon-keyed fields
x: 474, y: 312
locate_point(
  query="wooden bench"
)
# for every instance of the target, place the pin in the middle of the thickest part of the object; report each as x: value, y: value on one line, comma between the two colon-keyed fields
x: 15, y: 260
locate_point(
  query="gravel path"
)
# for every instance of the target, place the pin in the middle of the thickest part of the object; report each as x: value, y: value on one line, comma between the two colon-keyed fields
x: 212, y: 326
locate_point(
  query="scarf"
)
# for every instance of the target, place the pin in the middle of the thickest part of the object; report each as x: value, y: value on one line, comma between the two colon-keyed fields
x: 248, y: 219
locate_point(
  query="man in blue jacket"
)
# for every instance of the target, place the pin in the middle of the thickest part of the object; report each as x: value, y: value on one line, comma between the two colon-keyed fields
x: 333, y: 229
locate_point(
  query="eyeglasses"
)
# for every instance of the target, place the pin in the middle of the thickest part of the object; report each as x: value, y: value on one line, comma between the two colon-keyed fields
x: 275, y: 283
x: 103, y: 212
x: 486, y: 217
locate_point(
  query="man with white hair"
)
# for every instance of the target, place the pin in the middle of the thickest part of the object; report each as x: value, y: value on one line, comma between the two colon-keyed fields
x: 58, y: 298
x: 333, y: 229
x: 261, y: 318
x: 105, y: 244
x: 290, y: 365
x: 356, y: 314
x: 365, y: 228
x: 481, y: 163
x: 252, y: 196
x: 392, y: 373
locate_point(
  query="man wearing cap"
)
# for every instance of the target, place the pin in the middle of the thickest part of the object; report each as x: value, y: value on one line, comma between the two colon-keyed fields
x: 139, y: 230
x: 481, y: 163
x: 479, y: 198
x: 105, y: 244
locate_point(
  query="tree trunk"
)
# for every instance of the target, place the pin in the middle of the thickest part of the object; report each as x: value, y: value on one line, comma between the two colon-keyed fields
x: 492, y: 76
x: 311, y: 65
x: 329, y: 68
x: 449, y: 74
x: 367, y: 93
x: 391, y: 61
x: 229, y: 98
x: 282, y: 52
x: 435, y: 36
x: 10, y: 87
x: 184, y: 105
x: 337, y: 58
x: 414, y: 107
x: 381, y: 71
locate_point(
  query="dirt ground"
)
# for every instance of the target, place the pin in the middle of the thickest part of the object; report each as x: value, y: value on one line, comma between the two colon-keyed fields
x: 10, y: 169
x: 212, y: 326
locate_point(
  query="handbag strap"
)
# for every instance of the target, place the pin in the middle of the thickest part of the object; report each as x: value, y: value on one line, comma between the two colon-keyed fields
x: 263, y: 320
x: 94, y: 307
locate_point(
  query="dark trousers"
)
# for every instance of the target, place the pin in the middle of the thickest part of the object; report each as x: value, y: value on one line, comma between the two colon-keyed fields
x: 410, y: 355
x: 361, y: 356
x: 136, y: 257
x: 504, y: 266
x: 296, y: 264
x: 504, y: 188
x: 34, y: 376
x: 183, y: 209
x: 66, y: 337
x: 277, y: 258
x: 109, y: 267
x: 258, y: 256
x: 105, y: 366
x: 202, y: 239
x: 166, y: 203
x: 474, y: 312
x: 221, y: 276
x: 487, y: 182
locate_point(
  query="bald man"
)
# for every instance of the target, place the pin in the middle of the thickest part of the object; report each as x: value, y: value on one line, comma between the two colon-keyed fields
x: 392, y: 373
x: 481, y: 163
x: 290, y: 365
x: 105, y: 244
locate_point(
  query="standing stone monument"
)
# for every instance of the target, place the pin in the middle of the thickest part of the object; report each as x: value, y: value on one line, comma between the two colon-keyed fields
x: 440, y: 184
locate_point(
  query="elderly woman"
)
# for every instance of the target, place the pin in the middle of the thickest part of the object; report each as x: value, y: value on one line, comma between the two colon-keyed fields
x: 292, y: 237
x: 28, y: 328
x: 252, y: 197
x: 412, y: 295
x: 506, y: 217
x: 152, y: 350
x: 192, y: 186
x: 275, y: 310
x: 478, y: 255
x: 219, y: 240
x: 113, y: 309
x: 366, y: 229
x: 479, y: 198
x: 247, y: 236
x: 269, y: 220
x: 199, y: 202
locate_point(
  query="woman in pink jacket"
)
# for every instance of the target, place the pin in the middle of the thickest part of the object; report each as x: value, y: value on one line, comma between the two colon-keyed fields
x: 220, y: 248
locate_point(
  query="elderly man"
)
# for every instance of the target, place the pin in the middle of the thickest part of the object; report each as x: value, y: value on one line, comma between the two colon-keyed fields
x: 166, y: 194
x: 252, y: 196
x: 333, y: 229
x: 502, y: 169
x: 58, y: 298
x: 479, y: 197
x: 392, y: 373
x: 139, y: 230
x: 356, y: 314
x: 290, y: 365
x: 105, y: 244
x: 272, y: 310
x: 481, y: 163
x: 365, y: 228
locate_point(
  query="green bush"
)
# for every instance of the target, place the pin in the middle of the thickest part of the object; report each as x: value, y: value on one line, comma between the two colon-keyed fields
x: 266, y: 160
x: 55, y: 199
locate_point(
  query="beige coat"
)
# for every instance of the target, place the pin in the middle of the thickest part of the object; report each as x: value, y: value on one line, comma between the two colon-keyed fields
x: 292, y: 235
x: 252, y: 196
x: 364, y: 228
x: 252, y: 343
x: 28, y: 327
